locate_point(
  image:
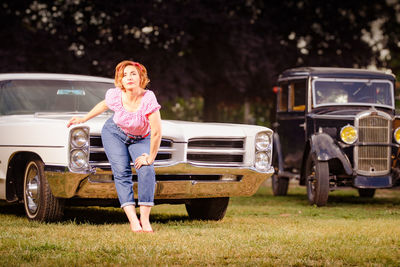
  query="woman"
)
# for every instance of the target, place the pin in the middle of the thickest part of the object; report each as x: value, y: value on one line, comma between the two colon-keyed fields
x: 127, y: 136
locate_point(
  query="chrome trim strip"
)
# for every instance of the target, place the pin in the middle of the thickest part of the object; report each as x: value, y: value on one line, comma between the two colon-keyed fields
x: 221, y: 164
x: 31, y: 146
x: 211, y: 151
x: 327, y: 116
x: 101, y: 150
x: 293, y: 78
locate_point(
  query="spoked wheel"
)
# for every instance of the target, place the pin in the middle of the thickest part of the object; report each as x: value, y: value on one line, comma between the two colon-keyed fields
x: 280, y: 185
x: 39, y: 202
x: 317, y: 175
x: 366, y: 192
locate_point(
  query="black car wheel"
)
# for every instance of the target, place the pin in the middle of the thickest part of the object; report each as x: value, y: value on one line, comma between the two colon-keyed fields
x: 39, y: 202
x: 366, y: 192
x: 207, y: 208
x: 280, y: 185
x: 317, y: 175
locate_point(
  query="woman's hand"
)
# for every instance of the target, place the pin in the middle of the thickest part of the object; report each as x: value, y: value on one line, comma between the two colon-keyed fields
x: 142, y: 160
x: 97, y: 110
x: 75, y: 120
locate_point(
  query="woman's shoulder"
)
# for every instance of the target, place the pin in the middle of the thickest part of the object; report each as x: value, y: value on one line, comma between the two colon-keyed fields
x: 149, y: 95
x: 113, y: 91
x: 112, y: 97
x: 150, y: 102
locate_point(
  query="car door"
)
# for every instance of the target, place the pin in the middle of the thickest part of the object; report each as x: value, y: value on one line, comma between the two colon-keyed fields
x: 290, y: 126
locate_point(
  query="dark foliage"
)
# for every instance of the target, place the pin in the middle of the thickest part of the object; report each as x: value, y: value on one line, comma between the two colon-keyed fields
x: 226, y: 51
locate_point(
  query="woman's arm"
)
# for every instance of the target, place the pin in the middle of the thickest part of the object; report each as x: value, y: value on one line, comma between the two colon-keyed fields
x: 155, y: 141
x: 97, y: 110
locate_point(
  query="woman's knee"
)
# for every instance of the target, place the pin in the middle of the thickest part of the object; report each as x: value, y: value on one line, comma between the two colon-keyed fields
x: 146, y: 172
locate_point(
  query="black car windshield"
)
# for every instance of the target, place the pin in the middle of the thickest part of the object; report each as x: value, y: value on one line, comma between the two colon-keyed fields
x: 329, y: 92
x: 31, y: 96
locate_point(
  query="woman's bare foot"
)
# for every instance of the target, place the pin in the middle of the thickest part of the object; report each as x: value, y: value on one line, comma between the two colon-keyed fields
x: 134, y: 222
x: 146, y: 227
x: 145, y: 219
x: 136, y: 227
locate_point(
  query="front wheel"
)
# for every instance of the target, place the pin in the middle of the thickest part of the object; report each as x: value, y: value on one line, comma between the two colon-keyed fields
x: 366, y: 192
x: 317, y: 175
x: 280, y: 185
x: 207, y: 208
x: 39, y: 202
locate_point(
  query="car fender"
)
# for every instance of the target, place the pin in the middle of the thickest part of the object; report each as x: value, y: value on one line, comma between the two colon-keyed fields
x: 278, y: 150
x: 324, y: 148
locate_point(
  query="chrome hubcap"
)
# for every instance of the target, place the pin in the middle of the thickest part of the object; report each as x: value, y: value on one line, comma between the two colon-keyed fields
x: 32, y: 189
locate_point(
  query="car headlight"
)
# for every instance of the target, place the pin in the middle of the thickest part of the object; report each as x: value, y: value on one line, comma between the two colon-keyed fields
x: 79, y: 159
x: 79, y: 137
x: 396, y: 135
x: 79, y: 149
x: 348, y: 134
x: 263, y: 141
x: 262, y: 161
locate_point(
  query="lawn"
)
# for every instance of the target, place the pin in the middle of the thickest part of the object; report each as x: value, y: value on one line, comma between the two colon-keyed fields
x: 260, y: 230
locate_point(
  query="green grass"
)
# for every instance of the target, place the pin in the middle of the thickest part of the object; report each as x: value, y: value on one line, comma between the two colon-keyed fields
x: 261, y: 230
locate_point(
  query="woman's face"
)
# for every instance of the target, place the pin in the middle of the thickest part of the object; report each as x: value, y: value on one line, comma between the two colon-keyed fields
x: 131, y: 78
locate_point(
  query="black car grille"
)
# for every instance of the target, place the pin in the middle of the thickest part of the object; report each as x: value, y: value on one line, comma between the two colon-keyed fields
x: 373, y: 159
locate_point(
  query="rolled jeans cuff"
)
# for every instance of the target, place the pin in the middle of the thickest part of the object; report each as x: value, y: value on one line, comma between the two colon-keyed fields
x: 151, y: 204
x: 128, y: 204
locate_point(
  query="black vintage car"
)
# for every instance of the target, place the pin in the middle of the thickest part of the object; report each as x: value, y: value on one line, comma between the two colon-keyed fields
x: 335, y: 128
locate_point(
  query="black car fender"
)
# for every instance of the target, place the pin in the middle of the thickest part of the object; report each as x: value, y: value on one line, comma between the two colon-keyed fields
x: 277, y: 150
x: 324, y: 148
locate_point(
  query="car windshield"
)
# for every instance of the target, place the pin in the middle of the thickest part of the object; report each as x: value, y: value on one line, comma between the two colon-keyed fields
x: 328, y: 92
x: 32, y: 96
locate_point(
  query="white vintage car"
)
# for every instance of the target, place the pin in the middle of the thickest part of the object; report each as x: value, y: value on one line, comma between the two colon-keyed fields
x: 46, y: 165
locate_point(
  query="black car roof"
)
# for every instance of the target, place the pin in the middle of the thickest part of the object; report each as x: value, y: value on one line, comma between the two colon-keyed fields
x: 327, y: 72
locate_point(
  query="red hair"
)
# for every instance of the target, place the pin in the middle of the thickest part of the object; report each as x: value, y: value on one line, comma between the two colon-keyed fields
x: 119, y: 73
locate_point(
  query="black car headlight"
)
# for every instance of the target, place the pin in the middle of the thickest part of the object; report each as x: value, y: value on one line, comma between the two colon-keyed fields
x: 79, y: 149
x: 348, y: 134
x: 396, y: 135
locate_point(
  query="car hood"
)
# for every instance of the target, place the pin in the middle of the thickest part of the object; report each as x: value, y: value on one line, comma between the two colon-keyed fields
x: 180, y: 131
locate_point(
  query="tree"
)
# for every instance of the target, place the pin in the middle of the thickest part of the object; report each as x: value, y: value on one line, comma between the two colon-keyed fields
x: 228, y: 52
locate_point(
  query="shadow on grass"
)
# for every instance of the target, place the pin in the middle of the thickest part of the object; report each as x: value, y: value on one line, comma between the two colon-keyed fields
x: 337, y: 200
x: 12, y: 209
x: 340, y: 198
x: 100, y: 216
x: 93, y: 215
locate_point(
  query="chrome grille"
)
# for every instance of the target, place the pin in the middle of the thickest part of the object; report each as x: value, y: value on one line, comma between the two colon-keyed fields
x: 98, y: 156
x: 219, y: 152
x: 372, y: 154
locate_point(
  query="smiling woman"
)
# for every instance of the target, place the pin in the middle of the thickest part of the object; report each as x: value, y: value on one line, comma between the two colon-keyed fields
x: 133, y: 133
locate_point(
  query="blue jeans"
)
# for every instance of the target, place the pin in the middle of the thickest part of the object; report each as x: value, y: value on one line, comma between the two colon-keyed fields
x: 120, y: 150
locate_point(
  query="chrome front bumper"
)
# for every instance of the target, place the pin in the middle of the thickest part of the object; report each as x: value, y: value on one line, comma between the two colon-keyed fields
x: 65, y: 184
